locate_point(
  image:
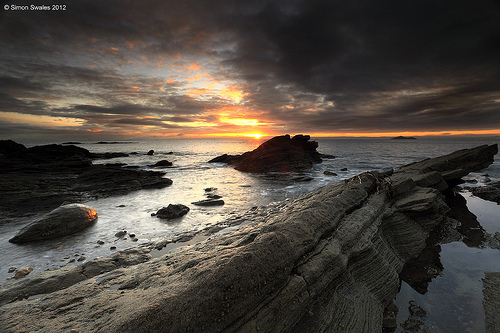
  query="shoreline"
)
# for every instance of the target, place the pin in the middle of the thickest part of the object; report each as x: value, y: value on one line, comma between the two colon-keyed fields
x: 349, y: 237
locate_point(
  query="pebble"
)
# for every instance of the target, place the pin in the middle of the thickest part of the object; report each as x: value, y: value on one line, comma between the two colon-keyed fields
x: 12, y: 269
x: 132, y: 235
x: 134, y: 239
x: 113, y: 248
x: 100, y: 242
x: 82, y: 258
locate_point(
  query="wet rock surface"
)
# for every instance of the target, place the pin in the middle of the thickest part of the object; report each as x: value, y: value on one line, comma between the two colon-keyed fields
x: 279, y: 154
x: 172, y: 211
x: 62, y: 221
x: 491, y: 302
x: 490, y: 192
x: 328, y: 260
x: 42, y: 178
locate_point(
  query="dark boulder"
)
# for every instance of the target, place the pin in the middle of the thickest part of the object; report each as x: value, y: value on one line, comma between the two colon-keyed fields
x: 62, y: 221
x: 9, y: 147
x: 172, y: 211
x: 151, y: 152
x: 279, y: 154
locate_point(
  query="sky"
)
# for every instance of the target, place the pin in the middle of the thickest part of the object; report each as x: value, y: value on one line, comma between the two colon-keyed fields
x: 170, y: 69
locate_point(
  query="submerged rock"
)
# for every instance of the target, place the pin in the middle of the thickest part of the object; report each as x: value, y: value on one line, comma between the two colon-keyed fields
x: 162, y: 163
x: 62, y: 221
x: 279, y: 154
x: 209, y: 202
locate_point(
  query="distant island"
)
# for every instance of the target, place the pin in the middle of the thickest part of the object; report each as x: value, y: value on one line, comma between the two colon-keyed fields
x: 111, y: 142
x: 404, y: 138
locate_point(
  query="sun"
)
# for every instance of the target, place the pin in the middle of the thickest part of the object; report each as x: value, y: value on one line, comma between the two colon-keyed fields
x: 255, y: 135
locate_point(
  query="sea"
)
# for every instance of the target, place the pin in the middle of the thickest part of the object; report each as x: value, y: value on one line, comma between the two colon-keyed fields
x: 459, y: 286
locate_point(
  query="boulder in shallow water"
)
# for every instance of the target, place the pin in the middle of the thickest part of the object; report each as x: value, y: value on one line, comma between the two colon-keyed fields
x: 62, y: 221
x: 279, y: 154
x: 172, y: 211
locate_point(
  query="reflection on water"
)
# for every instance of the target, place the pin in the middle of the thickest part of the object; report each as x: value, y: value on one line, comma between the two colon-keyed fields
x: 446, y: 279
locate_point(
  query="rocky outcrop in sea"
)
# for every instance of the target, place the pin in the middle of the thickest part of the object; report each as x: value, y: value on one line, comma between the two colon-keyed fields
x: 42, y: 178
x: 279, y: 154
x: 329, y: 260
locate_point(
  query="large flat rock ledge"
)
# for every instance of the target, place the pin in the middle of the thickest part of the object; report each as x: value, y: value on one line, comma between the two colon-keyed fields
x: 328, y: 261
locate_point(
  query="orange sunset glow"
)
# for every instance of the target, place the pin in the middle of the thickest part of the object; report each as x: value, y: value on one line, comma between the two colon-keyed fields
x: 181, y: 75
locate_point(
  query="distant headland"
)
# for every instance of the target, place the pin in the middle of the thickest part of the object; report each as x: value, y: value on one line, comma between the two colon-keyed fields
x: 404, y: 138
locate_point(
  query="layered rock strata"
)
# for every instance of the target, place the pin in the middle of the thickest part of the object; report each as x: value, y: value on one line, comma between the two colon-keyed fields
x: 328, y: 261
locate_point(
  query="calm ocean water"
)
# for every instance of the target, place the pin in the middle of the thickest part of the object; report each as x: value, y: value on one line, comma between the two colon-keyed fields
x: 191, y: 174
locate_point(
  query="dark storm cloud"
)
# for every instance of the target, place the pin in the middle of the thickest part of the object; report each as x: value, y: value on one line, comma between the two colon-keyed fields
x: 317, y: 65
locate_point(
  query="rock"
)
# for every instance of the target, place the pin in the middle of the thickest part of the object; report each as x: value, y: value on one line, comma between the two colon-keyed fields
x: 329, y: 173
x: 9, y: 147
x: 12, y: 270
x: 121, y: 233
x: 323, y: 262
x: 162, y: 163
x: 62, y: 221
x: 210, y: 189
x: 103, y: 181
x: 100, y: 242
x: 41, y: 178
x: 279, y: 154
x: 491, y: 301
x: 490, y: 192
x: 343, y: 169
x: 151, y: 152
x: 404, y: 138
x: 22, y: 272
x: 172, y: 211
x: 302, y: 179
x: 53, y: 280
x: 209, y: 202
x: 213, y: 196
